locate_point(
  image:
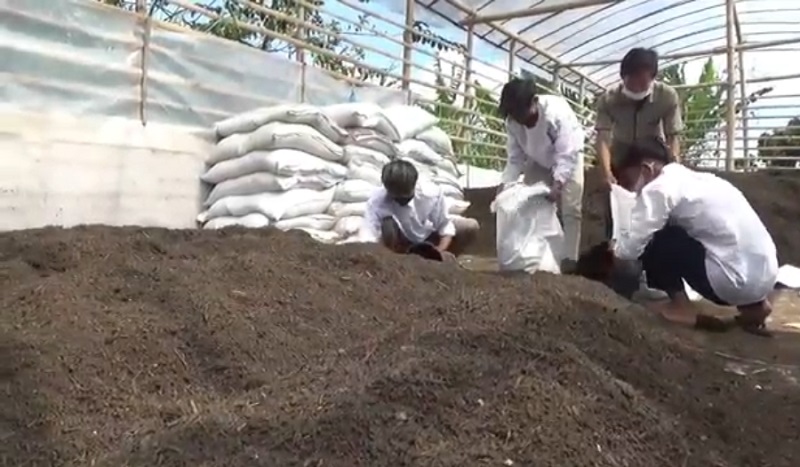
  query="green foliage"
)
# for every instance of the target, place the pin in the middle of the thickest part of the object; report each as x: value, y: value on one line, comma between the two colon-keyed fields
x: 781, y: 142
x: 703, y: 107
x: 233, y: 15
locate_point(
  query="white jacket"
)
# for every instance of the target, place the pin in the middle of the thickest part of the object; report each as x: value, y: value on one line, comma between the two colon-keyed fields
x: 555, y: 143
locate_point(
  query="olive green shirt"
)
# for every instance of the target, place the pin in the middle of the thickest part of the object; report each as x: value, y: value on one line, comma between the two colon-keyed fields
x: 659, y: 115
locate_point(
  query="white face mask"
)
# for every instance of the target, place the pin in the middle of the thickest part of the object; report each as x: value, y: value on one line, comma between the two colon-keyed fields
x: 637, y: 96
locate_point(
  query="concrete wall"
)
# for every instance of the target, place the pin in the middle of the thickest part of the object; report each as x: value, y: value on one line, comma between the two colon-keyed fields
x: 62, y: 170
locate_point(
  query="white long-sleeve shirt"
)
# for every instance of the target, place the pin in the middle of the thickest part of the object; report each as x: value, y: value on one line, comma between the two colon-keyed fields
x: 555, y: 142
x: 741, y: 258
x: 424, y: 215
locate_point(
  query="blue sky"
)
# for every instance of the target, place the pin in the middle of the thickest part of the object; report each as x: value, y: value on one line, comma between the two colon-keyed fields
x: 606, y: 33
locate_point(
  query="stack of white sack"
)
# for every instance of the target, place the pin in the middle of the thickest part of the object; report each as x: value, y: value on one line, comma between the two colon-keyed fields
x: 379, y: 135
x: 276, y: 166
x: 314, y: 168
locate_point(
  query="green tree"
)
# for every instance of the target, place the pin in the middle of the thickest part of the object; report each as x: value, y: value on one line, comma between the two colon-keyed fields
x: 781, y: 142
x: 232, y: 15
x: 703, y: 108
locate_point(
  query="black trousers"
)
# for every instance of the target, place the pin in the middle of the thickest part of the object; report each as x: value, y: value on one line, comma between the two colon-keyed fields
x: 671, y: 257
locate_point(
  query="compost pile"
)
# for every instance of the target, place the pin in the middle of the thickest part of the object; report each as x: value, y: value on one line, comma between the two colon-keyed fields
x: 253, y: 348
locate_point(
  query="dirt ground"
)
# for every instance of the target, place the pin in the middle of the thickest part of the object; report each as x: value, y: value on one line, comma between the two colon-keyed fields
x: 131, y: 347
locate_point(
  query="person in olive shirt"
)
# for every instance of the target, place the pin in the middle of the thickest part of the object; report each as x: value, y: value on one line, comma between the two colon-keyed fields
x: 638, y: 108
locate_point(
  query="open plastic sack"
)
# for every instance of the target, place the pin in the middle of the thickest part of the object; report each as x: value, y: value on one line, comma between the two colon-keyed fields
x: 529, y: 235
x: 622, y: 203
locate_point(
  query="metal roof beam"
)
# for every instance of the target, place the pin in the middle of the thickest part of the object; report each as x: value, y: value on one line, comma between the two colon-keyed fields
x: 541, y: 10
x: 520, y: 40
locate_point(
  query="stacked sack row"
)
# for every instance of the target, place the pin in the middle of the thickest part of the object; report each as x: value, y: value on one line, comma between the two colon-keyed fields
x: 313, y: 168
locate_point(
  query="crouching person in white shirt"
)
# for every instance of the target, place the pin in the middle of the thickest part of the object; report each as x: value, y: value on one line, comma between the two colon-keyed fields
x: 696, y: 227
x: 545, y: 144
x: 406, y: 212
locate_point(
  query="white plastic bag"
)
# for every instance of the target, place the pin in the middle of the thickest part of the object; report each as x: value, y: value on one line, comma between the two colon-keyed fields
x: 529, y: 235
x: 275, y: 206
x: 407, y: 121
x: 313, y: 222
x: 340, y: 210
x: 348, y: 226
x: 622, y: 203
x: 437, y: 139
x: 290, y: 113
x: 354, y: 191
x: 252, y: 221
x: 229, y: 148
x: 261, y: 182
x: 304, y: 138
x: 287, y: 162
x: 419, y: 151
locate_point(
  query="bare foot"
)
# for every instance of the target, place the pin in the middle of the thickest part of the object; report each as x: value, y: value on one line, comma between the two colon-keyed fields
x: 676, y: 312
x: 753, y: 318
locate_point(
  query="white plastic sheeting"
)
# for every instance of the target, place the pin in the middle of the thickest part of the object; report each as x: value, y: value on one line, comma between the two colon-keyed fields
x: 73, y: 149
x: 84, y: 58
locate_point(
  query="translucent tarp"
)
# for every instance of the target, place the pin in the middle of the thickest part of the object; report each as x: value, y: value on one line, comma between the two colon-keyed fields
x: 605, y: 32
x: 84, y: 58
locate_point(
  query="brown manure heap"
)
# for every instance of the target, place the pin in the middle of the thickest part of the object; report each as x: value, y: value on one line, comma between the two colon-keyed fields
x: 131, y: 347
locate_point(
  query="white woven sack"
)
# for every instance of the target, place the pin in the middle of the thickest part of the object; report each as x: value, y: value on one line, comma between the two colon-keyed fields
x: 456, y: 206
x: 276, y: 206
x: 261, y: 182
x: 451, y: 192
x: 348, y: 226
x: 287, y: 162
x: 407, y: 121
x: 314, y: 222
x: 366, y: 155
x: 290, y: 113
x: 437, y: 139
x: 252, y: 221
x: 371, y: 139
x: 340, y: 210
x: 323, y: 236
x: 292, y: 136
x: 229, y: 148
x: 364, y: 171
x: 354, y: 114
x: 354, y: 191
x: 419, y: 151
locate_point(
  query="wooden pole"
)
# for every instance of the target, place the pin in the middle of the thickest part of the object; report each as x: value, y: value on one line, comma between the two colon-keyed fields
x: 408, y: 39
x: 730, y: 45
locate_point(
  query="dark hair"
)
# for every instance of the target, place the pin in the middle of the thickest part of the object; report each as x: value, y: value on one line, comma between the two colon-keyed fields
x: 399, y: 177
x: 639, y: 59
x: 516, y: 98
x: 650, y: 149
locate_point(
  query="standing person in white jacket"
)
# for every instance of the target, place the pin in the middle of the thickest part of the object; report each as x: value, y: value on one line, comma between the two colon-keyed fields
x: 545, y: 144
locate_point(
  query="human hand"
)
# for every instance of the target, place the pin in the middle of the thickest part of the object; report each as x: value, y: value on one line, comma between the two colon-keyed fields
x: 609, y: 178
x: 555, y: 192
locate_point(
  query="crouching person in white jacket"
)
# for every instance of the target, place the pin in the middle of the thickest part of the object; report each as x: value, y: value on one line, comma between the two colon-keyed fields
x: 696, y: 227
x: 545, y: 144
x: 407, y: 212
